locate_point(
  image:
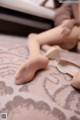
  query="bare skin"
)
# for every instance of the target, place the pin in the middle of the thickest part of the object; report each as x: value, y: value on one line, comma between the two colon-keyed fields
x: 65, y: 35
x: 38, y: 61
x: 67, y: 26
x: 76, y: 81
x: 29, y: 68
x: 67, y: 23
x: 68, y: 16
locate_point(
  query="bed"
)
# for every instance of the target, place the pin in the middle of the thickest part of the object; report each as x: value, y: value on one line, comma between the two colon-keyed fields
x: 21, y: 17
x: 49, y: 96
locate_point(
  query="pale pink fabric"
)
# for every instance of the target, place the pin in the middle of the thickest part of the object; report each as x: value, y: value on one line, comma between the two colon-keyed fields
x: 49, y: 96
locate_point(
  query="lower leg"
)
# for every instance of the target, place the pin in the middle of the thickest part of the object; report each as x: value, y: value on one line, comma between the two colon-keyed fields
x: 66, y: 43
x: 55, y: 37
x: 34, y: 42
x: 35, y: 62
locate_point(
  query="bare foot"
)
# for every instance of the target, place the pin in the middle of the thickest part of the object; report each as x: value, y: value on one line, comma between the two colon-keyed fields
x: 67, y: 26
x: 76, y: 81
x: 29, y: 68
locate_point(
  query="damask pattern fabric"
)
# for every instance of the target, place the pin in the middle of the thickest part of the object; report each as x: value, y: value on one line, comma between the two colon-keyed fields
x: 49, y: 96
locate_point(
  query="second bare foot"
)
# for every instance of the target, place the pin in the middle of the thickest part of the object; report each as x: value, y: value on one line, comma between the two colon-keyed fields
x: 76, y: 81
x: 29, y: 68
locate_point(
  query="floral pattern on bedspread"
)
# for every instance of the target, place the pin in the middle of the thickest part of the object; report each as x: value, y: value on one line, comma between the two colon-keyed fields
x: 49, y: 96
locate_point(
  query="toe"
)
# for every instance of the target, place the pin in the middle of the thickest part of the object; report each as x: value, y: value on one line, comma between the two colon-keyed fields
x: 19, y: 81
x: 19, y: 72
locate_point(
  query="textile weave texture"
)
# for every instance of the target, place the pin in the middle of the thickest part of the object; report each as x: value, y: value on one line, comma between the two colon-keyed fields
x: 49, y: 96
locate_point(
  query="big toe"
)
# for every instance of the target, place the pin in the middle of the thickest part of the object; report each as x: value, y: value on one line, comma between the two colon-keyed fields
x: 24, y: 76
x: 19, y: 75
x: 20, y: 81
x: 23, y: 79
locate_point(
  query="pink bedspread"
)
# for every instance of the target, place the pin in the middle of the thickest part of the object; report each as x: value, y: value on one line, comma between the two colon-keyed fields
x: 49, y: 96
